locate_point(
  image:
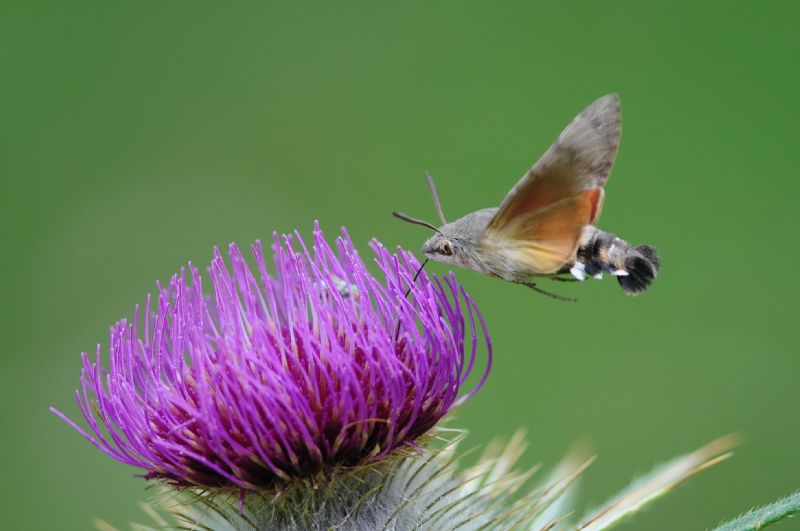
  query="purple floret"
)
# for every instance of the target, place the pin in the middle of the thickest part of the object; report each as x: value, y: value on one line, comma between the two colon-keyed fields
x: 282, y: 375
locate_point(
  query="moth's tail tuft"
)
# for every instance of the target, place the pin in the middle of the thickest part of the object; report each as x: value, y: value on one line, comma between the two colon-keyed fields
x: 641, y: 266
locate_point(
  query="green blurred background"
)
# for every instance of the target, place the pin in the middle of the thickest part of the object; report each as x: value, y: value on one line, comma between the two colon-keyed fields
x: 137, y: 136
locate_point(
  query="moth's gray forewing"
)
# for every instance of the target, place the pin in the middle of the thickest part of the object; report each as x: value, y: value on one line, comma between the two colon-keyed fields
x: 581, y: 158
x: 538, y: 226
x: 590, y: 141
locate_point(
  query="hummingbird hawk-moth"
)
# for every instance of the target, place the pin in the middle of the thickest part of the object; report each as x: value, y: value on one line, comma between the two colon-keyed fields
x: 545, y: 226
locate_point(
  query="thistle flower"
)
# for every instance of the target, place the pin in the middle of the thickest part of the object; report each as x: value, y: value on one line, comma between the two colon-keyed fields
x: 312, y: 370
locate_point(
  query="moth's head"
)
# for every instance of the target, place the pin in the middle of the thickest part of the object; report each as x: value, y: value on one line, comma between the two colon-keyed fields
x: 440, y: 248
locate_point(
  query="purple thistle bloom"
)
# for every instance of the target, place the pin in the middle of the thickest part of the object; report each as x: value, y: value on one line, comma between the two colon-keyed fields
x: 281, y: 376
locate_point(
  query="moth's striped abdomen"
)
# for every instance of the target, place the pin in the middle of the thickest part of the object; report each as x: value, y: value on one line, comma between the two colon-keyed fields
x: 602, y: 252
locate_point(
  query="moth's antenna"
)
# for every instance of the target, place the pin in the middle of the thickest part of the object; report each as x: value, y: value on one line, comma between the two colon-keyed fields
x: 432, y: 187
x: 415, y: 221
x: 416, y: 276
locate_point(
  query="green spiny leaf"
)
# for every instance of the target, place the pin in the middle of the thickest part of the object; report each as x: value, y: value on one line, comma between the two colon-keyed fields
x: 762, y: 517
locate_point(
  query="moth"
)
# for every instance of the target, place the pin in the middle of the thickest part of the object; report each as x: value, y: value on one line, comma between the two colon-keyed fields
x: 545, y: 226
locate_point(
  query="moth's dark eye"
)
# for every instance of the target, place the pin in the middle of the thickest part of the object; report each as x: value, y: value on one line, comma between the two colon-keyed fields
x: 446, y: 249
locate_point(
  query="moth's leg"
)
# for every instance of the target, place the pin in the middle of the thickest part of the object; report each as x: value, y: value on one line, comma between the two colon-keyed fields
x: 564, y: 279
x: 537, y: 289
